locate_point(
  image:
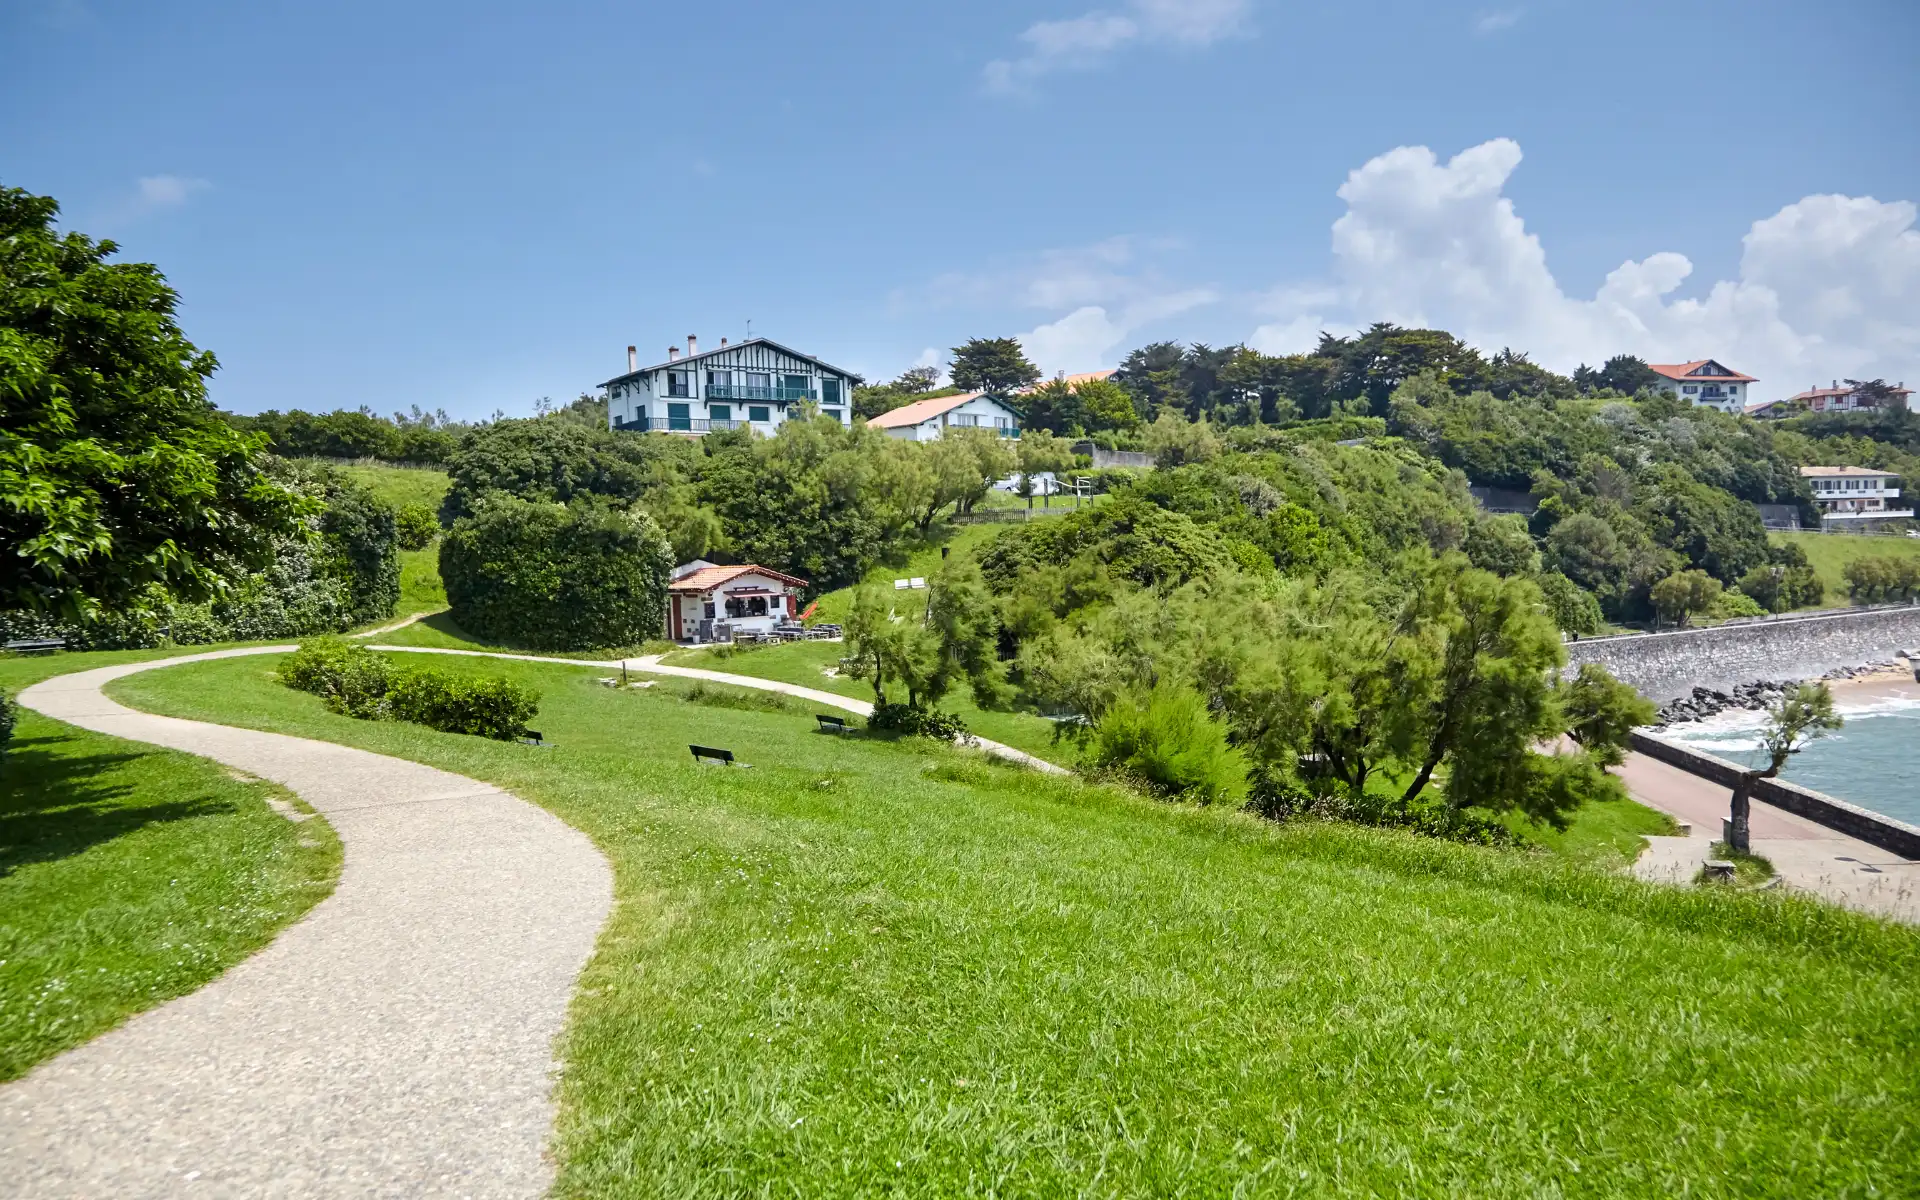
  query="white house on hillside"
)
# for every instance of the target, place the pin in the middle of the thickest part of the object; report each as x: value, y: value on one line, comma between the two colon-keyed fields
x: 926, y: 420
x: 1706, y: 383
x: 1854, y: 495
x: 756, y: 383
x: 1841, y: 398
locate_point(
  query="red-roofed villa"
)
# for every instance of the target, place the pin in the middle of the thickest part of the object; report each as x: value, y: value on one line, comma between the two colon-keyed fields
x: 1705, y: 382
x: 709, y: 603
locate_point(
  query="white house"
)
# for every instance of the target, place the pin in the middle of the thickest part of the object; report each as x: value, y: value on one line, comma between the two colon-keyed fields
x: 1706, y: 383
x: 926, y: 420
x: 1854, y: 495
x: 756, y: 383
x: 708, y: 603
x: 1841, y: 398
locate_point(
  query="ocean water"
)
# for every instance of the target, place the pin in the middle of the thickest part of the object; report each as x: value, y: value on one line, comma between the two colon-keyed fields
x: 1872, y: 761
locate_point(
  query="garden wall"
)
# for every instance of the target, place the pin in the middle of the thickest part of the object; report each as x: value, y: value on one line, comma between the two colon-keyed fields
x: 1870, y: 827
x: 1665, y: 666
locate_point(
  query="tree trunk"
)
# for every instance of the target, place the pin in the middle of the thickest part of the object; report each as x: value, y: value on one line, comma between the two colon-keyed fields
x: 1737, y: 826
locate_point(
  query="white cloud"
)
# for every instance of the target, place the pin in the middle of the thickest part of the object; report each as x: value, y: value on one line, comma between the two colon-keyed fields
x: 1083, y: 41
x: 167, y: 191
x: 1497, y: 20
x: 1828, y: 287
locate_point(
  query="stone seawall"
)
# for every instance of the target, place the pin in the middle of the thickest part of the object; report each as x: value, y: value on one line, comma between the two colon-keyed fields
x: 1870, y: 827
x: 1668, y: 665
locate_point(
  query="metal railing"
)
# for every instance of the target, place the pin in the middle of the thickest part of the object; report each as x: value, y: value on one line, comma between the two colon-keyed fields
x: 757, y: 394
x: 644, y: 424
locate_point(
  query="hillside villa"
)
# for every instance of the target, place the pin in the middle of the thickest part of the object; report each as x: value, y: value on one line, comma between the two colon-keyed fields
x: 1706, y: 383
x: 1854, y: 495
x: 926, y: 420
x: 755, y: 383
x: 710, y: 603
x: 1842, y: 398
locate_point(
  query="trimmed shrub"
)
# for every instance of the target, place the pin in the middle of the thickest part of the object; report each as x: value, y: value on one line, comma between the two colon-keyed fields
x: 416, y: 526
x: 917, y: 722
x: 349, y: 679
x: 1882, y: 577
x: 362, y: 547
x: 1168, y: 741
x: 556, y: 576
x: 493, y: 707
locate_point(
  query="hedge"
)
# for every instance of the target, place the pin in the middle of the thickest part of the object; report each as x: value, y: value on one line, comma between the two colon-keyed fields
x: 356, y: 682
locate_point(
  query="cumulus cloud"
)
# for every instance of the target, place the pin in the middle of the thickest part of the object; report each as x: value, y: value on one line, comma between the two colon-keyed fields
x: 1828, y: 287
x: 167, y: 191
x: 1493, y: 22
x: 1083, y: 41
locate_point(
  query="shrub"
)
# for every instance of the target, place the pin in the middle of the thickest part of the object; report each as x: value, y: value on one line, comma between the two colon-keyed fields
x: 416, y: 526
x: 1572, y: 608
x: 494, y: 707
x: 556, y: 577
x: 349, y: 679
x: 1737, y: 604
x: 1882, y: 577
x: 1168, y: 740
x: 917, y: 722
x: 6, y: 723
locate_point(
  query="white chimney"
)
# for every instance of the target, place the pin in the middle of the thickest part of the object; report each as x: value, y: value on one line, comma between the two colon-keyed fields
x: 723, y: 343
x: 633, y: 359
x: 693, y: 347
x: 673, y: 354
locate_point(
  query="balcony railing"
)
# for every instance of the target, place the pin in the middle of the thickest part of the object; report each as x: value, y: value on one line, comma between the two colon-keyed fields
x: 643, y: 424
x: 759, y: 395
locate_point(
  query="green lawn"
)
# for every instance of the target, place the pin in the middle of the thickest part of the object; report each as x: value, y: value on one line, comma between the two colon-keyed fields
x: 130, y: 875
x: 1606, y: 834
x: 420, y: 586
x: 869, y: 968
x: 402, y: 485
x: 1830, y: 553
x: 807, y: 663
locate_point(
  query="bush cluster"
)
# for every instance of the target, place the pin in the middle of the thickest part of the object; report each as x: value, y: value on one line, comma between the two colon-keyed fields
x: 356, y: 682
x: 1281, y: 801
x: 915, y: 721
x: 6, y: 723
x: 1883, y: 577
x: 417, y: 526
x: 1166, y: 739
x: 554, y: 576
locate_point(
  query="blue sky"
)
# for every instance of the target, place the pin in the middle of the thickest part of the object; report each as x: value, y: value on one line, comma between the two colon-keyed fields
x: 469, y: 206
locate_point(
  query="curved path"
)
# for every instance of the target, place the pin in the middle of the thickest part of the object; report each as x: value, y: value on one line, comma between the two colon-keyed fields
x: 651, y: 665
x: 396, y: 1041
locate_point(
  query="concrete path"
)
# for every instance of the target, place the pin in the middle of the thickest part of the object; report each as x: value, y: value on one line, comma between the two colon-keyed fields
x: 1806, y: 856
x: 397, y: 1041
x: 651, y: 665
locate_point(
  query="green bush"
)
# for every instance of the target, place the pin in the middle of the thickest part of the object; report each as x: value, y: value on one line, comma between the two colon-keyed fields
x: 417, y: 526
x: 496, y: 708
x: 1168, y: 740
x: 917, y: 722
x: 1882, y: 577
x: 1737, y: 604
x: 349, y: 679
x: 1573, y: 608
x: 556, y: 576
x: 6, y: 723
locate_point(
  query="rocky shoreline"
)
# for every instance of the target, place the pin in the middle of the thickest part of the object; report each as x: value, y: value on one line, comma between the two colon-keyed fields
x: 1702, y: 702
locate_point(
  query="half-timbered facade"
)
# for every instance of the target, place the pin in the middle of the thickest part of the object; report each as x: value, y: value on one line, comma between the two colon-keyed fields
x: 757, y: 383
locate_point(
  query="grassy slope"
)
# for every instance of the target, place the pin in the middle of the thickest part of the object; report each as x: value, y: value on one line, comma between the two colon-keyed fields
x: 865, y: 968
x: 1830, y: 554
x: 402, y: 485
x: 130, y: 875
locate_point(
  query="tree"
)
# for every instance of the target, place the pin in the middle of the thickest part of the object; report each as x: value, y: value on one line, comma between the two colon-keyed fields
x: 1572, y: 608
x: 965, y: 463
x: 1681, y: 595
x: 997, y: 366
x: 116, y: 472
x: 1797, y: 718
x: 918, y: 379
x: 1623, y: 373
x: 1601, y: 713
x: 1105, y: 405
x: 1174, y: 440
x: 1502, y: 545
x: 1874, y: 393
x: 1585, y: 549
x: 1040, y: 453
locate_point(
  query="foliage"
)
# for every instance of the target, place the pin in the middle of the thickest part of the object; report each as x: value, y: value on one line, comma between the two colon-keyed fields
x: 927, y: 652
x: 1883, y: 577
x: 354, y: 681
x: 416, y: 526
x: 1573, y: 609
x: 556, y: 576
x: 1174, y: 441
x: 6, y: 726
x: 1801, y: 715
x: 1683, y: 595
x: 1166, y: 739
x: 1601, y: 713
x: 1786, y: 582
x: 1502, y: 545
x: 1623, y: 375
x: 416, y: 437
x: 349, y: 678
x: 116, y: 473
x: 1735, y: 605
x: 911, y: 720
x: 997, y: 366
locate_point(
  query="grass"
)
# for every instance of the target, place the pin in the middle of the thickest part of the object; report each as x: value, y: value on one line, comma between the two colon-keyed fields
x: 1830, y: 553
x: 400, y: 486
x: 1610, y: 833
x: 806, y: 663
x: 1749, y: 870
x: 130, y: 875
x: 420, y: 586
x: 922, y: 559
x: 866, y: 968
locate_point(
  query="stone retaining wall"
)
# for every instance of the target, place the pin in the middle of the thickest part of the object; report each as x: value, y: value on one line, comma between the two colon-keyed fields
x: 1870, y: 827
x: 1665, y: 666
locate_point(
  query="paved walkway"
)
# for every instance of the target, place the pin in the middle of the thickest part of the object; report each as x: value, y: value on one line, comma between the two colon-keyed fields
x: 651, y: 665
x: 397, y: 1041
x: 1806, y: 856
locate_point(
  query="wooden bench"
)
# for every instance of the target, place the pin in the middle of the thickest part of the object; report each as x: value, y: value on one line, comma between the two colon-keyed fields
x: 710, y: 754
x: 831, y: 724
x: 35, y: 645
x: 533, y: 737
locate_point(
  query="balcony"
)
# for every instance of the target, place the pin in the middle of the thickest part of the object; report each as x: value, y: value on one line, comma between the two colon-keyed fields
x: 757, y: 395
x: 644, y: 424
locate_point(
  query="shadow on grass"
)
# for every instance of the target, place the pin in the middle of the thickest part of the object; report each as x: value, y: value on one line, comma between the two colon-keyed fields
x: 55, y: 805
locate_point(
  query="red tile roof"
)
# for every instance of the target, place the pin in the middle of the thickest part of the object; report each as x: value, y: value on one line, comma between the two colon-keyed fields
x: 1679, y: 372
x: 1829, y: 392
x: 708, y: 578
x: 920, y: 410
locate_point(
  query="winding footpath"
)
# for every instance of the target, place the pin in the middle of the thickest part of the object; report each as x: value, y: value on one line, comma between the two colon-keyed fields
x: 396, y: 1041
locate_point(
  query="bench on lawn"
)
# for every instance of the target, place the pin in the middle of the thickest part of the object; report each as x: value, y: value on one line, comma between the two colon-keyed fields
x: 35, y: 645
x: 831, y: 724
x: 532, y: 737
x: 710, y: 754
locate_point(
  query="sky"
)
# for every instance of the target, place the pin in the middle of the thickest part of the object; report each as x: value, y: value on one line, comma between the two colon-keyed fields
x: 471, y: 206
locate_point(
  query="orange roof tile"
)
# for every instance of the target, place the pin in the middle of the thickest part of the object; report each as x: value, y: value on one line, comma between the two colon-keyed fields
x: 708, y: 578
x: 1679, y: 371
x: 920, y: 410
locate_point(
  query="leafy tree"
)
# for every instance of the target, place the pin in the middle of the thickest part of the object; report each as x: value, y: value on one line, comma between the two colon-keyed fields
x: 116, y: 473
x: 965, y: 623
x: 1573, y: 609
x: 997, y: 366
x: 1174, y: 440
x: 1105, y: 405
x: 1040, y: 453
x: 1502, y: 545
x: 918, y: 380
x: 1601, y: 713
x: 1680, y: 596
x: 546, y: 460
x: 1052, y: 407
x: 1797, y: 718
x: 1586, y: 550
x: 965, y: 464
x: 1623, y: 373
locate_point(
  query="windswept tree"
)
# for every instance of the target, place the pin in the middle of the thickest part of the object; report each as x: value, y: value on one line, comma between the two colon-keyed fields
x: 997, y: 366
x: 1797, y: 718
x: 116, y: 472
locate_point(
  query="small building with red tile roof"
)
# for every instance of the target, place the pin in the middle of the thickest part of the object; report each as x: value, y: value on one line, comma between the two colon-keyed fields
x: 707, y: 602
x: 926, y: 420
x: 1705, y: 382
x: 1845, y: 397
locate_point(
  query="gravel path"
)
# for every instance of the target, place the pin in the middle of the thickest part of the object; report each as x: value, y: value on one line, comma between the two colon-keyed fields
x: 651, y: 665
x: 397, y: 1041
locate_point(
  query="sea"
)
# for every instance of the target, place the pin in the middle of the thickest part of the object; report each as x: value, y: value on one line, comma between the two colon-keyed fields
x: 1872, y: 761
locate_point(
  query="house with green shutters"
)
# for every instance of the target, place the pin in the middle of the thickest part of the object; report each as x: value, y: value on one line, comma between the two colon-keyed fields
x: 756, y: 383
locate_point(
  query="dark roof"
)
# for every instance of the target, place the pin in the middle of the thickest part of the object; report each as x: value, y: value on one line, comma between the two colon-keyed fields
x: 758, y: 341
